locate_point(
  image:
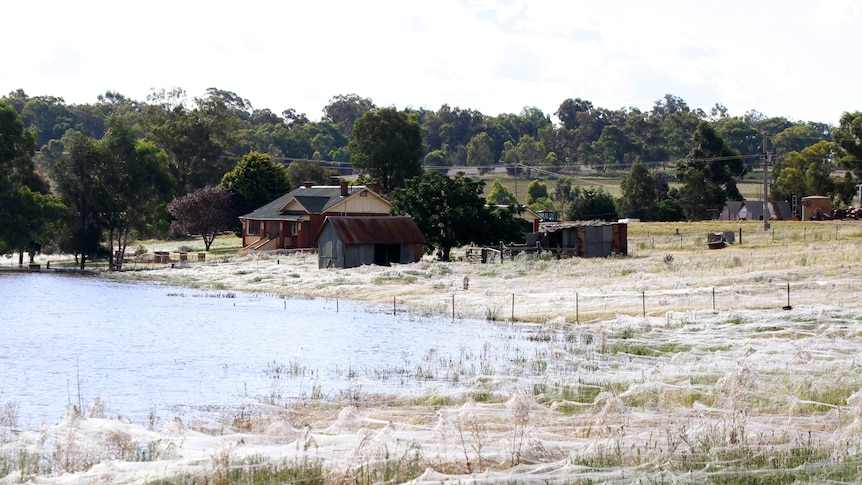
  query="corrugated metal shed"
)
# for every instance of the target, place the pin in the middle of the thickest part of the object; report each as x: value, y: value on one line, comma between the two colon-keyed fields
x: 376, y: 230
x: 586, y: 240
x: 348, y: 242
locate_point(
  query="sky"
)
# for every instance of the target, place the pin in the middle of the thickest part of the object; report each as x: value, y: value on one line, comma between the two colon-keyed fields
x: 790, y: 58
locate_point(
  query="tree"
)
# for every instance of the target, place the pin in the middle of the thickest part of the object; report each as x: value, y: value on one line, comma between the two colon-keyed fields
x: 302, y: 171
x: 31, y: 221
x: 500, y: 195
x: 593, y: 204
x: 134, y: 178
x: 76, y: 175
x: 639, y: 199
x: 709, y: 174
x: 808, y: 172
x: 387, y: 145
x: 344, y: 110
x: 205, y: 211
x: 194, y: 138
x: 536, y: 190
x: 256, y: 180
x: 451, y: 212
x: 849, y: 136
x: 480, y: 150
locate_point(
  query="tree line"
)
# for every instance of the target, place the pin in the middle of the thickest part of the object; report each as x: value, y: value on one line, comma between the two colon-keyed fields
x: 106, y: 172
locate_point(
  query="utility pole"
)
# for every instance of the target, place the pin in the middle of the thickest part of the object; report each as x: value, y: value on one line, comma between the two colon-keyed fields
x: 766, y: 157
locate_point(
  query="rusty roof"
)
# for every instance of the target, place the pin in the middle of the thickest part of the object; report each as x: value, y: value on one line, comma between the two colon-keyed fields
x: 374, y: 229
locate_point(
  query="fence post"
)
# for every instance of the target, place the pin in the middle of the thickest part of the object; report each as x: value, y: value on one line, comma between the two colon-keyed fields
x: 713, y: 298
x: 453, y: 306
x: 643, y: 302
x: 513, y: 307
x: 394, y: 308
x: 577, y: 309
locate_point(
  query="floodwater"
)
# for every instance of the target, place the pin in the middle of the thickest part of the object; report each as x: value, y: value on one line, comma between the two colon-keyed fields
x: 145, y: 349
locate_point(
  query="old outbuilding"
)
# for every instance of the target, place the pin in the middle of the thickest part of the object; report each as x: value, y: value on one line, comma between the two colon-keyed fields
x: 585, y: 240
x: 348, y: 242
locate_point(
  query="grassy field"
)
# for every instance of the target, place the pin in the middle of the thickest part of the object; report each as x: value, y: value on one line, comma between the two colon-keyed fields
x: 751, y: 186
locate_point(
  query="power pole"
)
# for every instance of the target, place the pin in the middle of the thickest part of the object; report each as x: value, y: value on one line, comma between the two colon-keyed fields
x: 765, y: 186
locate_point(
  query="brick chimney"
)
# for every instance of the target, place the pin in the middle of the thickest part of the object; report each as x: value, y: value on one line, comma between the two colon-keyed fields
x: 345, y: 188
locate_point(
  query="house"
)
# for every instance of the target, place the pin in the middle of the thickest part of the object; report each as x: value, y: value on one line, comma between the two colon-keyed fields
x: 528, y: 219
x: 752, y: 210
x: 348, y: 242
x: 293, y: 220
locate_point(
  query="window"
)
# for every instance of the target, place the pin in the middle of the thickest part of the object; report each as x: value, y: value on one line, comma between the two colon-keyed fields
x: 253, y: 228
x: 294, y: 228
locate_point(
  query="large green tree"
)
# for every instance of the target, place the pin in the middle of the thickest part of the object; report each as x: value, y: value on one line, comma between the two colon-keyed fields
x: 256, y: 180
x: 849, y: 136
x: 709, y: 174
x: 451, y: 212
x: 500, y: 195
x: 592, y: 204
x: 639, y: 198
x: 77, y: 179
x: 195, y: 138
x: 29, y: 217
x: 808, y: 172
x: 135, y: 181
x: 480, y: 150
x: 387, y: 146
x: 344, y: 110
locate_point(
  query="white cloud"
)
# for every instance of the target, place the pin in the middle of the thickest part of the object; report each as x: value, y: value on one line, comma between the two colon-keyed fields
x: 781, y: 58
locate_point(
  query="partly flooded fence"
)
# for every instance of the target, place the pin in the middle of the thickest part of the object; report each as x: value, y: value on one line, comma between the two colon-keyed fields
x: 580, y: 307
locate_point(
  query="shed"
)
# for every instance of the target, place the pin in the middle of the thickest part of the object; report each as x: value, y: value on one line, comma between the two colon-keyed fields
x: 348, y: 242
x: 586, y: 240
x: 814, y: 207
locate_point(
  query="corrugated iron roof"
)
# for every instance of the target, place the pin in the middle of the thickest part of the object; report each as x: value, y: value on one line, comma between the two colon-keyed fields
x: 375, y: 230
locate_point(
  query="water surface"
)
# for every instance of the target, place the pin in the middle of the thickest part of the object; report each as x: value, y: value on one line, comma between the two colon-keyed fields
x: 145, y: 348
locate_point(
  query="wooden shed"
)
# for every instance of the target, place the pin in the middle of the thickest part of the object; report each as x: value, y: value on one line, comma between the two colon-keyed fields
x: 815, y: 207
x: 348, y: 242
x: 586, y: 240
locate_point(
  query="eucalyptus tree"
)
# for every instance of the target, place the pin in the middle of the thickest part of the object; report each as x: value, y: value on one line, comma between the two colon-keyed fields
x: 480, y: 150
x: 29, y: 216
x: 387, y: 146
x: 849, y: 136
x: 709, y: 174
x: 344, y: 110
x: 639, y: 197
x: 77, y: 179
x: 136, y: 183
x: 195, y: 138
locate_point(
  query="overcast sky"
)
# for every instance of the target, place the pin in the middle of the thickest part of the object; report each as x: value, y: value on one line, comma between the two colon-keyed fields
x: 791, y: 58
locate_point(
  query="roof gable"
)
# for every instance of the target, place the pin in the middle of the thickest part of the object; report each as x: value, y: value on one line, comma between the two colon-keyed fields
x: 316, y: 199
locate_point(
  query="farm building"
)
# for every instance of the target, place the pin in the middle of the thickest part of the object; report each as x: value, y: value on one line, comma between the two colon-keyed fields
x: 348, y: 242
x: 293, y: 220
x: 586, y: 240
x: 814, y: 207
x: 752, y: 210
